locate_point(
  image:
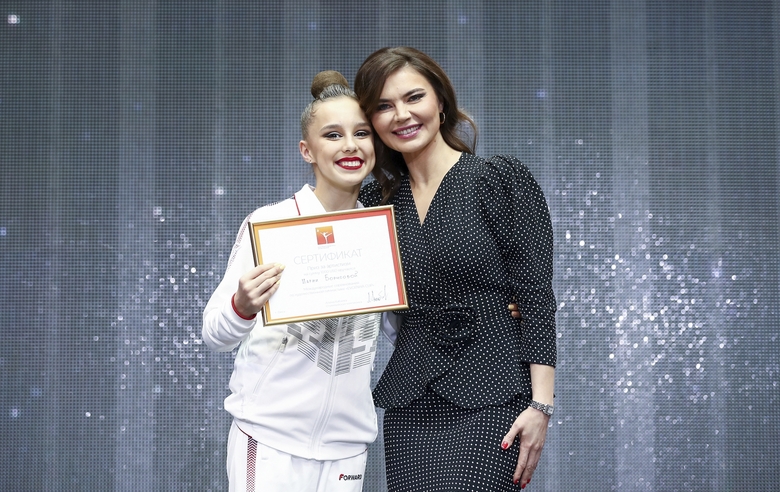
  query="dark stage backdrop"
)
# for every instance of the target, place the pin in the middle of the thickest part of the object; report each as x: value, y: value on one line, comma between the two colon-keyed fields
x: 136, y: 135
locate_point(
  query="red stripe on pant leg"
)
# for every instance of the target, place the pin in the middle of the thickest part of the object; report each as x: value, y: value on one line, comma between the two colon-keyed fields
x: 251, y: 458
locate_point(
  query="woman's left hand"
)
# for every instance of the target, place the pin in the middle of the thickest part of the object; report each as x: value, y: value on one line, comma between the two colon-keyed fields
x: 530, y: 428
x: 515, y: 311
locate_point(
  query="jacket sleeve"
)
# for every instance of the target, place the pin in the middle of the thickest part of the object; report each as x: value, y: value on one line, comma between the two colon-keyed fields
x: 223, y: 329
x: 521, y: 221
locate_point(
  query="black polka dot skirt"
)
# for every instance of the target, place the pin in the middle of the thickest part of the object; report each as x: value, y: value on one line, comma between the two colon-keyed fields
x: 433, y: 445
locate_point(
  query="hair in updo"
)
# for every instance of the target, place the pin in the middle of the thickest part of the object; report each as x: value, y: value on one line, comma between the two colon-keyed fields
x: 326, y: 85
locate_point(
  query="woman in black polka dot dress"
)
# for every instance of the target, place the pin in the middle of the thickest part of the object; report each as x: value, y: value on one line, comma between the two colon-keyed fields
x: 468, y: 391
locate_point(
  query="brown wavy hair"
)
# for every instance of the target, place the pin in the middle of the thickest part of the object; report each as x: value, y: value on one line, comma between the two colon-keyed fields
x: 369, y: 82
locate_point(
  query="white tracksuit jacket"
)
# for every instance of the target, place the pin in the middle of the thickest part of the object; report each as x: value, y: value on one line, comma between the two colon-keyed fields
x: 302, y: 388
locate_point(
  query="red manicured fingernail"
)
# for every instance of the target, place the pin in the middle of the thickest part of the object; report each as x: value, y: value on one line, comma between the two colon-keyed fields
x: 516, y: 480
x: 504, y: 445
x: 523, y: 486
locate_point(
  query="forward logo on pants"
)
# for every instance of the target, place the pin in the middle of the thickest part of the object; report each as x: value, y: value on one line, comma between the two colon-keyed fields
x: 350, y: 477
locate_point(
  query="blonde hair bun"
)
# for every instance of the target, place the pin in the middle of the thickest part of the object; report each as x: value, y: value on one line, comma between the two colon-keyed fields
x: 327, y: 78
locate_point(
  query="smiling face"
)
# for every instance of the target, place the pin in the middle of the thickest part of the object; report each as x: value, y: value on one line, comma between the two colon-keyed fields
x: 407, y: 114
x: 339, y: 145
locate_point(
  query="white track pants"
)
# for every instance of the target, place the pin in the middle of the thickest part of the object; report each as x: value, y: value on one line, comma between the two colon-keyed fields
x: 253, y: 467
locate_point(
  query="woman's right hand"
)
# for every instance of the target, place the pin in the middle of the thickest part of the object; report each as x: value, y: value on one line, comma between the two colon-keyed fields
x: 255, y: 287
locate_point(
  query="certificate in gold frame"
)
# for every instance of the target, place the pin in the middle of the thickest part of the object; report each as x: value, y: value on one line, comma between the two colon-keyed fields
x: 336, y: 264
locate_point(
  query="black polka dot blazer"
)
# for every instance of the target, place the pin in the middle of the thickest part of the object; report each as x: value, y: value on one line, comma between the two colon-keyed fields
x: 486, y: 242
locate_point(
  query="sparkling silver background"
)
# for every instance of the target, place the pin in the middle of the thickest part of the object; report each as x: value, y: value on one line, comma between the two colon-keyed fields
x: 135, y: 136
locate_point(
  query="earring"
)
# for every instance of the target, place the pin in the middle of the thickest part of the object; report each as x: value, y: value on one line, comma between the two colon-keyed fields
x: 442, y: 117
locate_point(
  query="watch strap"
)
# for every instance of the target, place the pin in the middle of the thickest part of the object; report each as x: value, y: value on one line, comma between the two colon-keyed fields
x: 545, y: 409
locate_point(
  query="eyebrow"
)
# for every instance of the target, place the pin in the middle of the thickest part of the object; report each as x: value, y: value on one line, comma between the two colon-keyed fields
x: 333, y: 126
x: 336, y: 126
x: 407, y: 94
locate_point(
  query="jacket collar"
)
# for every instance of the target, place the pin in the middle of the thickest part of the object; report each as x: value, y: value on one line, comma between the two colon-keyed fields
x: 308, y: 203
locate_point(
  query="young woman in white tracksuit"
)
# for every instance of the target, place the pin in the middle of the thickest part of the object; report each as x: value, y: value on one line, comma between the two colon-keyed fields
x: 299, y: 393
